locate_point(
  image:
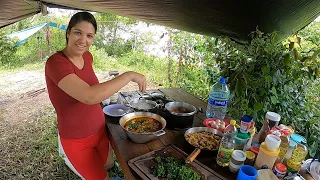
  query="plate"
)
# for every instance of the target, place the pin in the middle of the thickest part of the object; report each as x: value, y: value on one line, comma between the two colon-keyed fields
x: 208, y: 123
x: 315, y: 169
x: 116, y: 110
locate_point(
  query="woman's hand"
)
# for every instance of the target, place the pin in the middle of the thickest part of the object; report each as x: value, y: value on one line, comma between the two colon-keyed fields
x: 139, y: 79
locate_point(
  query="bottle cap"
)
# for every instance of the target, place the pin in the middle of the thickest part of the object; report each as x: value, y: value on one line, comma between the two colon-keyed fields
x: 246, y: 118
x: 233, y: 122
x: 222, y: 80
x: 273, y: 116
x: 281, y: 167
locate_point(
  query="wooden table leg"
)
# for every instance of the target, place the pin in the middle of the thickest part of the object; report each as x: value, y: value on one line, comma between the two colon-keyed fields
x: 123, y: 164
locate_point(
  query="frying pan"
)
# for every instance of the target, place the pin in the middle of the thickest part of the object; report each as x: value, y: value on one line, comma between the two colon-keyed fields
x: 197, y: 151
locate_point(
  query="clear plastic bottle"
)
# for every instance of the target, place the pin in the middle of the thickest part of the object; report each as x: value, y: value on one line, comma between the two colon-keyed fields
x: 218, y: 100
x: 227, y: 144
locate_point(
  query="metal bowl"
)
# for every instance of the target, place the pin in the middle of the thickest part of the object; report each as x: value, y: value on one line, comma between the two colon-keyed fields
x: 143, y: 137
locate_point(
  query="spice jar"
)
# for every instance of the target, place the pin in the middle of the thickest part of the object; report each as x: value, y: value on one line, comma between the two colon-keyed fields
x: 250, y: 158
x: 266, y: 157
x: 271, y: 120
x: 237, y: 159
x: 280, y: 170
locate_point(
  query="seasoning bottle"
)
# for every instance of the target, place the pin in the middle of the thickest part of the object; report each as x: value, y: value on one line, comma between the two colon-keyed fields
x: 299, y: 153
x: 271, y: 120
x: 280, y: 170
x: 283, y: 148
x: 227, y: 145
x: 266, y: 157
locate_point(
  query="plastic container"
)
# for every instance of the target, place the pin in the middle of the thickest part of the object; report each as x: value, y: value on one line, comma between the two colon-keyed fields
x: 283, y: 148
x: 255, y: 150
x: 266, y: 157
x: 252, y: 132
x: 247, y: 173
x: 237, y: 160
x: 245, y: 123
x: 292, y: 144
x: 271, y: 120
x: 250, y: 158
x: 299, y: 153
x: 272, y: 142
x: 266, y: 174
x: 227, y: 145
x: 280, y: 170
x: 218, y: 100
x: 241, y: 140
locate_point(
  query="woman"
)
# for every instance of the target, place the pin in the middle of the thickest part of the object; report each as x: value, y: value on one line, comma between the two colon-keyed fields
x: 75, y: 93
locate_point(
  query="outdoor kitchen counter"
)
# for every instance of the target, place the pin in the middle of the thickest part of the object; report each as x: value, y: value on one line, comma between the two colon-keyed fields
x: 126, y: 150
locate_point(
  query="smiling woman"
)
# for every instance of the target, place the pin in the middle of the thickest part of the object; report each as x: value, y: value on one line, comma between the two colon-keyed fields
x: 76, y: 93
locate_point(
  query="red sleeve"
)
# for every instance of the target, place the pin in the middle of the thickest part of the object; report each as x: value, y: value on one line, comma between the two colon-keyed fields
x: 57, y: 67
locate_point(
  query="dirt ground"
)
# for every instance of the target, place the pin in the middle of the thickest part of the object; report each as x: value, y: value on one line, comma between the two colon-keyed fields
x: 25, y: 92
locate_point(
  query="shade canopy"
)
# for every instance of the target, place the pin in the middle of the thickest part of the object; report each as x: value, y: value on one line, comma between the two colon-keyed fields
x: 235, y: 19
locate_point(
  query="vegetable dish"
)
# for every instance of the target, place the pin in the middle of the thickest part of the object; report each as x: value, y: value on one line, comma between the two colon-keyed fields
x: 204, y: 140
x: 143, y: 125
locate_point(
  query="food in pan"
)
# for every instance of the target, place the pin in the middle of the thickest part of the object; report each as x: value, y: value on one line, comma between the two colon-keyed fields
x: 179, y: 109
x: 143, y: 125
x: 204, y: 140
x: 173, y: 168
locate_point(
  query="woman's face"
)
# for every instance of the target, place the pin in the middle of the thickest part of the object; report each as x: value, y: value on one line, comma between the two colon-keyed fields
x: 80, y: 37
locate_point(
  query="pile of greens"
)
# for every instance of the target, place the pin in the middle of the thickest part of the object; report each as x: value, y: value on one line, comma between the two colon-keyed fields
x: 173, y: 168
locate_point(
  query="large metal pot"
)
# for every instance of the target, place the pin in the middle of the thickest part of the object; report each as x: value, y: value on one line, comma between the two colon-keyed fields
x: 143, y: 137
x: 180, y: 114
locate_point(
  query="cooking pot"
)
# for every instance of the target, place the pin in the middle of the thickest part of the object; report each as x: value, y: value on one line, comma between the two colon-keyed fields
x: 143, y: 137
x: 180, y: 114
x: 140, y: 104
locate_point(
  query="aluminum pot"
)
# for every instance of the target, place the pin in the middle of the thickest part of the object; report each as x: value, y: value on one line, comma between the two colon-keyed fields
x: 142, y: 137
x: 180, y: 114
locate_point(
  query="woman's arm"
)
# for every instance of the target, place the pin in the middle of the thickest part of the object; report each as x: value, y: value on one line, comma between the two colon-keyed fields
x: 81, y: 91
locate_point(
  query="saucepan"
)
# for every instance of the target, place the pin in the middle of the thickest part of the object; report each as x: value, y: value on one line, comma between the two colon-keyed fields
x: 180, y: 114
x: 202, y: 138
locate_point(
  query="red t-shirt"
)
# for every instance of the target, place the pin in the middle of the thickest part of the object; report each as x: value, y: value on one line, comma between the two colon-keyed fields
x: 75, y: 119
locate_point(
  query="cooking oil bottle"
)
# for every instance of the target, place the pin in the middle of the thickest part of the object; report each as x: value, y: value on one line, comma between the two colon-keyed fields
x: 227, y: 144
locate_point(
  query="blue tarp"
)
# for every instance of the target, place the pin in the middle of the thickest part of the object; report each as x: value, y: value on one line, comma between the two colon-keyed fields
x: 23, y: 35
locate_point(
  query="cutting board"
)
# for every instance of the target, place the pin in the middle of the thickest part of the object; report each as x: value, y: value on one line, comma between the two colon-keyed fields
x: 142, y: 164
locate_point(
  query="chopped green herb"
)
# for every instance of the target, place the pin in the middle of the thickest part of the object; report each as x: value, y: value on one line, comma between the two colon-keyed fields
x: 173, y: 168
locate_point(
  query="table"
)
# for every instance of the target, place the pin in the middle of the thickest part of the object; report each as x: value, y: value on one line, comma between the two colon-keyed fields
x: 126, y: 150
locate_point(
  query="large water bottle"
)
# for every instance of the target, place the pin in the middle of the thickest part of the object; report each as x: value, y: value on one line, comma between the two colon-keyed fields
x: 227, y: 144
x: 218, y: 100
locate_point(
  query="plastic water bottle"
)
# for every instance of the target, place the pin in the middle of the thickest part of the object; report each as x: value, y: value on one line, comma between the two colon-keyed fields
x: 227, y: 144
x: 218, y: 100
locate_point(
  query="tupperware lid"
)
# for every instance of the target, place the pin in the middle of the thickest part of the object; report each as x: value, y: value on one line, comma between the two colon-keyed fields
x: 298, y: 138
x: 250, y: 155
x: 265, y: 150
x: 273, y: 116
x: 243, y: 136
x: 239, y: 155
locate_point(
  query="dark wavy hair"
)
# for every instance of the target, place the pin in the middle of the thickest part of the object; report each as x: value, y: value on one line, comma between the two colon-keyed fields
x: 79, y: 17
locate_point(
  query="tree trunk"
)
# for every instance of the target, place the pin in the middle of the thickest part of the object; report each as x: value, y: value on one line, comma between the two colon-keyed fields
x: 169, y: 47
